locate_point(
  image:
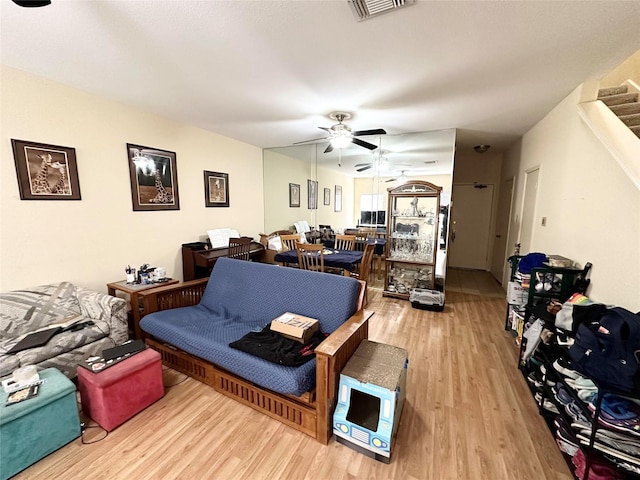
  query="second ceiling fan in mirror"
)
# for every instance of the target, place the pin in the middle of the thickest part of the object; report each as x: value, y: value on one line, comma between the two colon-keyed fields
x: 341, y: 135
x: 381, y: 161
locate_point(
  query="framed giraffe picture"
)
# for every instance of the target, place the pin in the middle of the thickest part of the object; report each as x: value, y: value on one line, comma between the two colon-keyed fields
x: 46, y: 172
x: 216, y: 189
x: 154, y: 178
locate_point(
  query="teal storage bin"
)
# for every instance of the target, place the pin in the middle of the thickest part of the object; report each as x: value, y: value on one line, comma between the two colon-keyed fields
x: 32, y: 429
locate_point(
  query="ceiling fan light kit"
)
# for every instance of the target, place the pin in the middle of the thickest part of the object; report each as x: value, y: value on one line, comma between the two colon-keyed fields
x: 341, y: 141
x: 481, y: 148
x: 341, y: 135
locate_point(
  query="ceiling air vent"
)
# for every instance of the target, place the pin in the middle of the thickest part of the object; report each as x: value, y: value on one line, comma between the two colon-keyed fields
x: 364, y: 9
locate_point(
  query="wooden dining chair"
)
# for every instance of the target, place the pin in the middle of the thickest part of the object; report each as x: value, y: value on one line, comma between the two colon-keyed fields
x: 345, y: 242
x: 239, y: 248
x: 310, y: 256
x: 289, y: 241
x: 365, y: 266
x: 364, y: 234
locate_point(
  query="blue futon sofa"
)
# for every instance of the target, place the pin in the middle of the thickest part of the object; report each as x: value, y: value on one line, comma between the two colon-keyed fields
x: 241, y: 297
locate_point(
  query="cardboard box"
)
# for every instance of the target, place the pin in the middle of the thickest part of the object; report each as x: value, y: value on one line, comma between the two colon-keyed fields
x: 371, y: 395
x: 297, y: 327
x: 517, y: 294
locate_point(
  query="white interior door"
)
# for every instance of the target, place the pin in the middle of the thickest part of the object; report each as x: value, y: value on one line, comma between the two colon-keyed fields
x: 470, y: 223
x: 499, y: 256
x: 528, y: 210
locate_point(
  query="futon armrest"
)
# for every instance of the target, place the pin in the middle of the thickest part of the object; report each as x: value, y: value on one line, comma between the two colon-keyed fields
x: 183, y: 294
x: 335, y: 342
x: 331, y: 357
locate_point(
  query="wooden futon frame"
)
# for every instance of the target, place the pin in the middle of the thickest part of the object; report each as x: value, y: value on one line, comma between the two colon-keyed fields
x: 310, y: 413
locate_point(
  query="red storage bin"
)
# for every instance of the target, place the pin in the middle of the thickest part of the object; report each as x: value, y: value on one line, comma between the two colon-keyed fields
x: 114, y: 395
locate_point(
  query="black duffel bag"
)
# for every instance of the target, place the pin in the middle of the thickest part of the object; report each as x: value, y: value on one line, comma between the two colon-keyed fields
x: 608, y: 350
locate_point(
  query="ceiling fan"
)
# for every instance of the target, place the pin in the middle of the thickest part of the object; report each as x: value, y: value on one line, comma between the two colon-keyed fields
x: 340, y: 134
x: 32, y: 3
x: 380, y: 160
x: 402, y: 178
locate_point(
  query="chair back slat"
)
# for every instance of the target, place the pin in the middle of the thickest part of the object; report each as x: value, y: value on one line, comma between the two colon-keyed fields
x: 289, y: 241
x: 239, y: 248
x: 345, y: 242
x: 367, y: 260
x: 310, y: 256
x: 363, y: 236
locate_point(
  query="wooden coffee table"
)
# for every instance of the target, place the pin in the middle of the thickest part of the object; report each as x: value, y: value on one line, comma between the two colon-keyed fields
x: 132, y: 291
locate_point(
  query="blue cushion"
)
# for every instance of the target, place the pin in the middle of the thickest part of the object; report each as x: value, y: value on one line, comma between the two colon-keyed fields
x: 261, y: 292
x: 242, y: 296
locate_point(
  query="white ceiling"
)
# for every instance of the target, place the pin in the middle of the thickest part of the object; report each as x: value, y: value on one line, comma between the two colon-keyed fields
x: 269, y: 72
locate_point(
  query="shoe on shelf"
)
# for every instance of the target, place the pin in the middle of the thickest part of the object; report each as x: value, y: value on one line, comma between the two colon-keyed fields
x: 547, y: 404
x: 566, y: 368
x: 562, y: 395
x: 564, y: 340
x: 534, y: 378
x: 543, y: 371
x: 581, y: 383
x: 576, y: 413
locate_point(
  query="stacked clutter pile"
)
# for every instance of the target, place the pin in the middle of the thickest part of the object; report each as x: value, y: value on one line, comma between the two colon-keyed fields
x: 517, y: 291
x: 582, y: 363
x: 526, y: 264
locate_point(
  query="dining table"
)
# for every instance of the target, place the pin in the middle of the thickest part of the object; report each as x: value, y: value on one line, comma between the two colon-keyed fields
x: 347, y: 260
x: 378, y: 242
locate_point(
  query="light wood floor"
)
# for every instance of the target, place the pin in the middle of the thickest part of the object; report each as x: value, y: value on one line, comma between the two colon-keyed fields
x: 468, y: 415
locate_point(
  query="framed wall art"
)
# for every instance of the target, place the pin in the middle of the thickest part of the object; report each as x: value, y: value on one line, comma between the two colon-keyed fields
x: 154, y: 179
x: 312, y: 189
x: 294, y: 195
x: 216, y: 189
x: 327, y: 196
x: 338, y: 199
x: 46, y: 172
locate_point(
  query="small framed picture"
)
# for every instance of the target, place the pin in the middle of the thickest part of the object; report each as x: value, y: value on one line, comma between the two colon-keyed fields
x: 327, y: 196
x: 154, y: 179
x: 294, y: 195
x: 216, y: 189
x: 338, y: 199
x: 312, y: 188
x: 46, y: 172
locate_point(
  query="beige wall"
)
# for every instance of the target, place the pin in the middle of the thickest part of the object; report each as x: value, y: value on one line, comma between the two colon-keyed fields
x: 326, y: 214
x: 280, y: 170
x: 90, y: 241
x: 627, y: 70
x: 592, y: 207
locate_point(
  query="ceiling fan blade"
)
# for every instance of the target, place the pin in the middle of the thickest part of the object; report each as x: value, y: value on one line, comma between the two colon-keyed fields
x: 329, y: 148
x: 362, y: 169
x: 362, y: 164
x: 364, y: 144
x: 325, y: 128
x: 32, y: 3
x: 312, y: 140
x: 391, y: 180
x: 375, y: 131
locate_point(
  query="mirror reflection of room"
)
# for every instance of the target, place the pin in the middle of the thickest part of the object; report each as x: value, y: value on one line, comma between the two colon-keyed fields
x: 362, y: 178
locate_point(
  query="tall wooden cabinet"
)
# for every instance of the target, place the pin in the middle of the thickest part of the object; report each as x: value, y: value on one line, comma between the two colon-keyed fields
x: 412, y: 238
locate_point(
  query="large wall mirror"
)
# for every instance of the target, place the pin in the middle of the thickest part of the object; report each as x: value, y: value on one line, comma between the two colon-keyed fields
x: 305, y: 175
